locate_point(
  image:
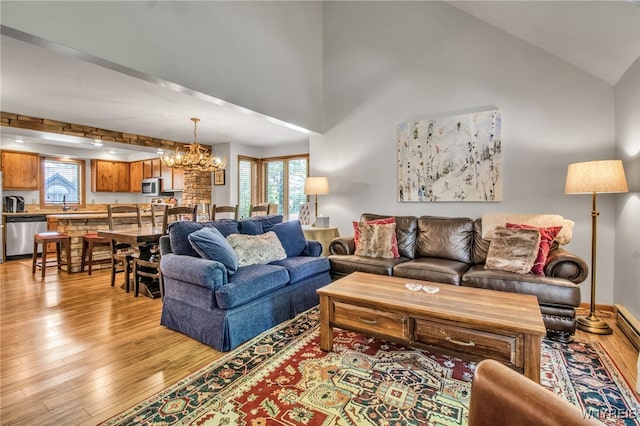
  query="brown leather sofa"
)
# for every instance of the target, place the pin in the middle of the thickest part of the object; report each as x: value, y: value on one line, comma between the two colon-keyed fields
x: 452, y: 251
x: 501, y: 396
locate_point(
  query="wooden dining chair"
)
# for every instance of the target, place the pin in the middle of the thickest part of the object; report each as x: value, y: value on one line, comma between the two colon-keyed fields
x: 159, y: 216
x: 149, y: 269
x: 122, y: 254
x: 215, y: 209
x: 259, y: 210
x: 178, y: 213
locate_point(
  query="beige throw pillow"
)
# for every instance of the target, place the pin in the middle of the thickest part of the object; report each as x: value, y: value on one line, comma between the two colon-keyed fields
x: 257, y: 249
x: 513, y: 250
x: 376, y: 240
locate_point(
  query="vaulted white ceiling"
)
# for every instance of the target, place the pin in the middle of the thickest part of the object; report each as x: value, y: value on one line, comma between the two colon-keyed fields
x: 599, y: 37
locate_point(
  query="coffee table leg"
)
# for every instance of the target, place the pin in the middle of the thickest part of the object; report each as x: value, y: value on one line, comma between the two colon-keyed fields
x: 326, y: 331
x: 532, y: 357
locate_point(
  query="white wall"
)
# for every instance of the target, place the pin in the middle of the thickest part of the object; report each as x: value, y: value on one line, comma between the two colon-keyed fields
x: 627, y: 248
x: 265, y: 56
x: 389, y: 62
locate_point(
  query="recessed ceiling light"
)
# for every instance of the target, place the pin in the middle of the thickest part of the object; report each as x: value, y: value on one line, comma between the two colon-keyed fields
x: 19, y: 141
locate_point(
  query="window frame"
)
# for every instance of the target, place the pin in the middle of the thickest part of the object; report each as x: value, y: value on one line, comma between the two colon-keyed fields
x: 263, y: 174
x: 81, y: 181
x: 259, y: 184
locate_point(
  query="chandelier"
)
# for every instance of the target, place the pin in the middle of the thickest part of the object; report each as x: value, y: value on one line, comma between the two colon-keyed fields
x: 196, y: 157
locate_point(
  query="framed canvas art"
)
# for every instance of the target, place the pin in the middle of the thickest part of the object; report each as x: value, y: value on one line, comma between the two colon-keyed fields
x: 456, y: 158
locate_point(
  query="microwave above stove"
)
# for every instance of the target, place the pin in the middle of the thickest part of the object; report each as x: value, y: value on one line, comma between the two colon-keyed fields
x: 151, y: 187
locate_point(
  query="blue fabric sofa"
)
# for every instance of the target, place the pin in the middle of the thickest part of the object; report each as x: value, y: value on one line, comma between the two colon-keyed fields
x: 223, y: 308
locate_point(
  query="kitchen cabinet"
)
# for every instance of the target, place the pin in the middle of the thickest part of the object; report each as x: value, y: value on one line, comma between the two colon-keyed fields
x: 21, y: 170
x: 135, y: 176
x: 110, y: 176
x: 151, y: 168
x: 172, y: 179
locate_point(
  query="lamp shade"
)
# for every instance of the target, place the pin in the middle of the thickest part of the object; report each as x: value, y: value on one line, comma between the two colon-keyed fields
x: 595, y: 177
x: 316, y: 185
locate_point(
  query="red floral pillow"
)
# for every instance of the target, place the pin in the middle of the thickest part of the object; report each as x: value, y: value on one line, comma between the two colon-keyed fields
x: 547, y: 236
x: 394, y: 239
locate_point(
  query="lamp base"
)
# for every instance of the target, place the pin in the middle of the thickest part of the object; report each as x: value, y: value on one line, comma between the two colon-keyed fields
x: 594, y: 325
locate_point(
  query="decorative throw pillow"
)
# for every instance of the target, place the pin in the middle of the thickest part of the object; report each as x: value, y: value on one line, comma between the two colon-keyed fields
x: 211, y: 244
x: 547, y: 236
x: 394, y: 240
x: 513, y: 250
x: 291, y: 236
x: 376, y: 240
x: 257, y: 249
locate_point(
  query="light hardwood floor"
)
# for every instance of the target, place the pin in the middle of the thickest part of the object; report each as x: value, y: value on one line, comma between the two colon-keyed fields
x: 75, y: 351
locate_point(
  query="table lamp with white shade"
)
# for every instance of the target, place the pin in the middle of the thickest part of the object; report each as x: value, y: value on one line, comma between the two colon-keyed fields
x: 315, y: 185
x: 593, y: 177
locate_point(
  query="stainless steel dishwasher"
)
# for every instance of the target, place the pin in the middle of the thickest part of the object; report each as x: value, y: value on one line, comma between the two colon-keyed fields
x: 20, y: 231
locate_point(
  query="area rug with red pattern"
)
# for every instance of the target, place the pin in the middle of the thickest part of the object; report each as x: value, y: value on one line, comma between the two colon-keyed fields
x: 283, y: 378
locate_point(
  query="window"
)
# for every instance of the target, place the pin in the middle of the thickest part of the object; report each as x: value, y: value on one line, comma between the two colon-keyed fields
x: 280, y: 181
x: 284, y: 183
x: 62, y: 180
x: 247, y: 184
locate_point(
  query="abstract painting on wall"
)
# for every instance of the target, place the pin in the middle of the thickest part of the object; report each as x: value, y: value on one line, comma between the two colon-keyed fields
x: 457, y: 158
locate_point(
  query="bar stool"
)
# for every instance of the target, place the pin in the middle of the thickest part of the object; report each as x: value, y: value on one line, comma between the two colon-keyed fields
x: 45, y: 238
x: 89, y: 241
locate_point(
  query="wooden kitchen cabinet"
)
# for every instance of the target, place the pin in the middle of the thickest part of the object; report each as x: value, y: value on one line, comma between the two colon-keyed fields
x: 172, y: 179
x: 178, y: 179
x: 135, y: 176
x: 151, y: 168
x: 21, y: 170
x: 110, y: 176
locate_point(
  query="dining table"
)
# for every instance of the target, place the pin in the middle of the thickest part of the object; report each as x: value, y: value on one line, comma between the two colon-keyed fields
x: 144, y: 238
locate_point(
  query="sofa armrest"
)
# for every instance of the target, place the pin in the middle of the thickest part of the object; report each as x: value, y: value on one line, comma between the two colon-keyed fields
x: 313, y: 249
x: 563, y: 264
x: 342, y: 245
x: 194, y: 270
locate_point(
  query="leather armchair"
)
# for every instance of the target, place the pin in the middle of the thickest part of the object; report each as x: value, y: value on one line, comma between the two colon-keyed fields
x: 501, y: 396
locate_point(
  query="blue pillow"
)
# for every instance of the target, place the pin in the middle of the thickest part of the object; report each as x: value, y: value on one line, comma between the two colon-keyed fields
x: 291, y: 237
x: 257, y: 225
x: 178, y: 233
x: 211, y: 244
x: 225, y: 226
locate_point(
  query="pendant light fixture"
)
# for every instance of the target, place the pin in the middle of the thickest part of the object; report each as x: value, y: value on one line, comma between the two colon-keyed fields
x: 196, y: 157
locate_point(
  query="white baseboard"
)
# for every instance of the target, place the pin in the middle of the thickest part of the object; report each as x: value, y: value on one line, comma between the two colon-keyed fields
x: 629, y: 325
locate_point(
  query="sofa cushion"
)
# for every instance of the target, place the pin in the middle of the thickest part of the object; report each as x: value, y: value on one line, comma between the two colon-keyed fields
x: 491, y: 220
x: 375, y: 240
x: 291, y: 236
x: 256, y: 249
x: 257, y: 225
x: 550, y: 291
x: 406, y: 232
x: 394, y: 238
x: 445, y: 237
x: 480, y: 245
x: 513, y: 250
x: 303, y: 267
x: 209, y: 243
x: 249, y: 283
x: 547, y: 236
x: 432, y: 269
x: 348, y: 263
x: 179, y: 233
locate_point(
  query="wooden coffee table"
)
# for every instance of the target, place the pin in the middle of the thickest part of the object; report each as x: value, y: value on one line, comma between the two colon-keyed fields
x: 473, y: 322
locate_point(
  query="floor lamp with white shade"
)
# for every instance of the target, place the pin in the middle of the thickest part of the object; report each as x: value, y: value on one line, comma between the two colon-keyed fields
x: 593, y: 177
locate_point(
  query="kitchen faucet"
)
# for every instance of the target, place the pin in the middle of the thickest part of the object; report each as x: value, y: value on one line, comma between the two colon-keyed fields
x: 64, y: 203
